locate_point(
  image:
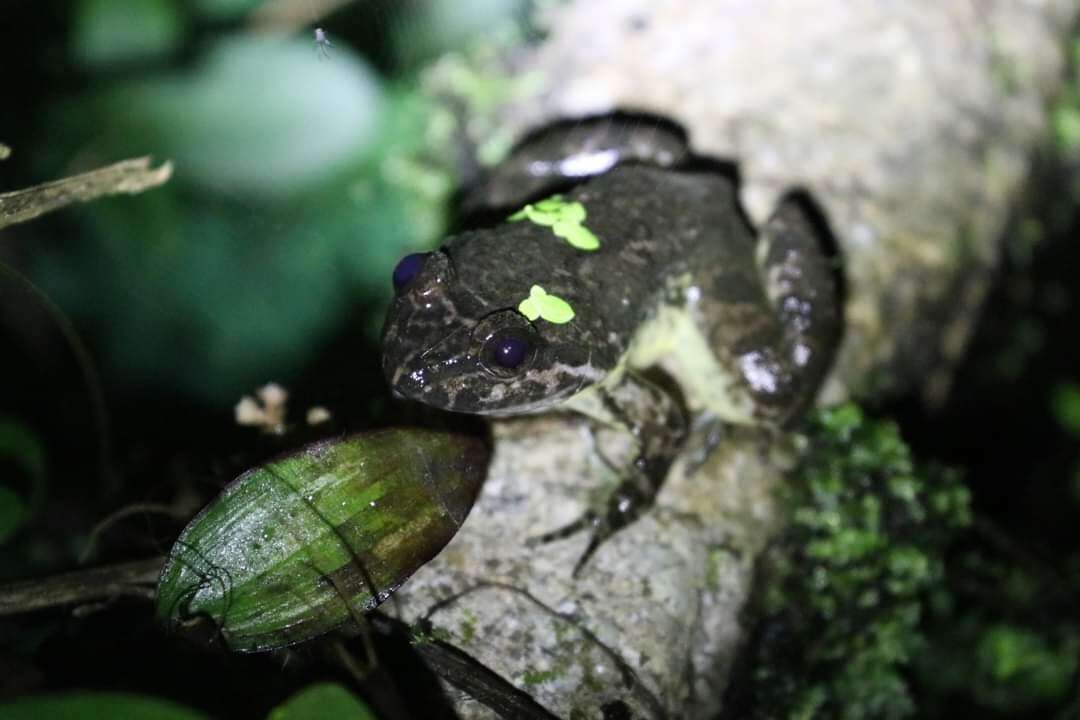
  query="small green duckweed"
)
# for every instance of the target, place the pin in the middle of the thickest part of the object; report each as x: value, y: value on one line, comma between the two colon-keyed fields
x: 564, y: 218
x: 540, y: 304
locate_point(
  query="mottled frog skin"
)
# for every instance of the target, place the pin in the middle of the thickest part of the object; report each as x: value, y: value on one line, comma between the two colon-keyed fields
x: 566, y: 304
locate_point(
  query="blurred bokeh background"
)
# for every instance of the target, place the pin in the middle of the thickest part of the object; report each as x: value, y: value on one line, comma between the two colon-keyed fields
x: 131, y: 326
x: 302, y: 173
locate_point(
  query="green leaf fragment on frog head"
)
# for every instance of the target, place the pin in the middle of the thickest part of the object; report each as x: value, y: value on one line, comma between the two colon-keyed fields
x: 565, y: 219
x: 570, y: 212
x: 533, y: 215
x: 540, y: 304
x: 577, y: 235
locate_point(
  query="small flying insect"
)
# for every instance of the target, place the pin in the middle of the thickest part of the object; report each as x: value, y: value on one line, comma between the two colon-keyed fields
x: 322, y: 43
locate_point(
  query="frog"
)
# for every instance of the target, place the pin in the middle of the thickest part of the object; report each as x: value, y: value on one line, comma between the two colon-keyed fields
x: 622, y: 283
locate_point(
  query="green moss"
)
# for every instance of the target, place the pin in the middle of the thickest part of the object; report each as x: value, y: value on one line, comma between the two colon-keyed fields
x: 842, y: 596
x: 424, y: 633
x: 467, y: 627
x: 536, y: 677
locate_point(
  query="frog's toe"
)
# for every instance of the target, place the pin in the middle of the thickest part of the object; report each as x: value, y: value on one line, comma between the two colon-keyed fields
x: 601, y: 532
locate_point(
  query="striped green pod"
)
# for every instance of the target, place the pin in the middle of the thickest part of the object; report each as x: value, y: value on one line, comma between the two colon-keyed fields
x: 295, y: 547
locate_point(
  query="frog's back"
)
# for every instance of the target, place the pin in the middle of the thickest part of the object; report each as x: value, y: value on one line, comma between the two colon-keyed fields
x: 649, y: 227
x: 746, y: 327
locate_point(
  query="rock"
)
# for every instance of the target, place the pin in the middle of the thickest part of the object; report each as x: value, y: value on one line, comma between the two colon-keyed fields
x: 910, y: 124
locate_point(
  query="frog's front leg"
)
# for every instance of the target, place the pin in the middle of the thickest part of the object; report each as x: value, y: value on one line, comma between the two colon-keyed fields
x: 655, y: 420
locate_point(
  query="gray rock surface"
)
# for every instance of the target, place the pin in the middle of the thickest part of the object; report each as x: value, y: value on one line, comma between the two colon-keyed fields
x: 910, y: 124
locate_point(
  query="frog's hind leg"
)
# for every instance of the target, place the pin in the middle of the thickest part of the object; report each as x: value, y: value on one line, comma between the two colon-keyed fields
x: 779, y: 344
x: 800, y: 282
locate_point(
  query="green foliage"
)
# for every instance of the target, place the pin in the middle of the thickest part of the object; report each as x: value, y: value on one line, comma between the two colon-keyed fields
x: 1017, y: 667
x: 844, y: 591
x: 291, y: 201
x: 229, y: 129
x: 322, y: 701
x: 479, y: 81
x: 439, y: 26
x: 1065, y: 114
x: 224, y: 9
x: 96, y: 706
x: 1065, y: 404
x: 1000, y: 641
x: 20, y: 446
x: 114, y: 32
x: 12, y: 510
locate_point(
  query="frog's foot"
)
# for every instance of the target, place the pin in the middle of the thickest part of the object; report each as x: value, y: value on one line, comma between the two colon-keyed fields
x: 633, y: 496
x: 657, y: 426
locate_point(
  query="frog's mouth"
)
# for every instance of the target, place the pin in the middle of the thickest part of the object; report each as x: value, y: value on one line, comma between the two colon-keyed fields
x: 440, y: 374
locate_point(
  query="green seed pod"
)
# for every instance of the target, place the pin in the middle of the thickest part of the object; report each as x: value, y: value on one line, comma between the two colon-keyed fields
x: 294, y: 548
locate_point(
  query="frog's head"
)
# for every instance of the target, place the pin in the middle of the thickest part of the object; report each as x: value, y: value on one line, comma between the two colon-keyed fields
x: 456, y: 336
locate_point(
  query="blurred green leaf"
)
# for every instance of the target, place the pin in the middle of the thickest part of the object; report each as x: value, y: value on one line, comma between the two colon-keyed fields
x: 1065, y: 404
x: 96, y: 706
x: 12, y: 510
x: 1018, y: 669
x: 1066, y: 123
x: 19, y: 444
x: 323, y: 701
x: 210, y: 289
x: 224, y: 9
x: 260, y: 116
x: 112, y: 32
x: 440, y: 26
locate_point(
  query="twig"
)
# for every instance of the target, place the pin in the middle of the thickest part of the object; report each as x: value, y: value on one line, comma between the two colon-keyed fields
x: 127, y: 176
x: 125, y: 512
x: 465, y: 673
x: 86, y: 366
x: 133, y: 579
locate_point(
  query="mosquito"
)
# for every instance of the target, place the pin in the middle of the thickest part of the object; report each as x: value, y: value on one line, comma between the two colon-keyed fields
x: 322, y: 43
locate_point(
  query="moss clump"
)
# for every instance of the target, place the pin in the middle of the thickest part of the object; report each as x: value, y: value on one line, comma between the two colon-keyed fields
x: 841, y: 594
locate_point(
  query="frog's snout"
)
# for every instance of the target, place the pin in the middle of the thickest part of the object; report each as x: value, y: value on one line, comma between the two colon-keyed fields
x: 426, y: 345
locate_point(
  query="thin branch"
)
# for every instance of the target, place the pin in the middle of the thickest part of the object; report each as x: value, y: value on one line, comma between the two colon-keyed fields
x: 136, y: 509
x: 133, y: 579
x: 127, y: 176
x: 469, y: 675
x: 86, y: 366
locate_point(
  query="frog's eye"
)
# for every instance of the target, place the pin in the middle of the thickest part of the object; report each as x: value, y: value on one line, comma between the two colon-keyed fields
x: 509, y: 352
x: 407, y: 269
x: 506, y: 352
